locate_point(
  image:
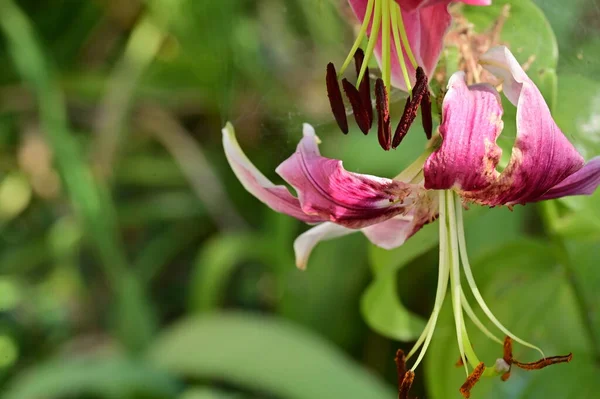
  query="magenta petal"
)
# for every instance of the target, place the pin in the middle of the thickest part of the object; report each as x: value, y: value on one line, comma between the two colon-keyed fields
x: 410, y: 5
x: 325, y: 189
x: 542, y: 156
x: 472, y: 120
x: 394, y: 232
x: 583, y: 182
x: 276, y: 197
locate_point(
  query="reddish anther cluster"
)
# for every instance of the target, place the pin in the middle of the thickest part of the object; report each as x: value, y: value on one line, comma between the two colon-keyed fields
x: 360, y: 101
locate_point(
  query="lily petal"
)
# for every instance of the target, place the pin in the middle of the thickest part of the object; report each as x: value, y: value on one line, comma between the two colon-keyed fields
x: 542, y: 157
x: 394, y: 232
x: 388, y: 234
x: 326, y: 190
x: 304, y: 244
x: 472, y: 121
x: 410, y: 5
x: 276, y: 197
x: 583, y: 182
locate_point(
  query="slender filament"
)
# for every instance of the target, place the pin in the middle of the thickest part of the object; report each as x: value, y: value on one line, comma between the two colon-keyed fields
x: 405, y: 41
x: 399, y: 51
x: 372, y: 41
x: 361, y: 34
x: 443, y: 274
x: 475, y: 290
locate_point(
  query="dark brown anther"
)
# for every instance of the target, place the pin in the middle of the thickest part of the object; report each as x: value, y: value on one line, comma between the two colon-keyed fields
x: 403, y: 125
x: 384, y: 133
x: 426, y: 119
x: 335, y: 98
x: 412, y: 105
x: 360, y: 113
x: 548, y: 361
x: 507, y: 355
x: 472, y: 379
x: 400, y: 360
x: 364, y: 88
x: 407, y: 382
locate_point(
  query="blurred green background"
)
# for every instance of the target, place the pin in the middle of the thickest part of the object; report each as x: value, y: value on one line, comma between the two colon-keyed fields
x: 134, y: 265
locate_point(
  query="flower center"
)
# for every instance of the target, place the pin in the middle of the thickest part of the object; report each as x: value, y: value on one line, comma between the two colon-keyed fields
x: 383, y: 18
x: 452, y: 259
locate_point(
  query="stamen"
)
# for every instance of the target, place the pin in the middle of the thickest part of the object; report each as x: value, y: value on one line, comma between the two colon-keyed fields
x: 411, y: 107
x: 386, y: 65
x: 407, y: 382
x: 469, y: 311
x: 472, y: 379
x: 476, y: 293
x: 540, y: 364
x: 360, y: 113
x: 426, y: 119
x: 397, y: 42
x: 360, y: 36
x: 373, y: 38
x: 405, y: 42
x: 443, y: 275
x: 365, y: 86
x: 400, y: 360
x: 455, y: 288
x: 335, y: 98
x: 384, y: 133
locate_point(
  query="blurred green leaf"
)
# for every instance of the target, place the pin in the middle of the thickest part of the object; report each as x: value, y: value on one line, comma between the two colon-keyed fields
x: 578, y: 113
x: 293, y: 363
x: 529, y: 293
x: 88, y: 196
x: 110, y: 377
x: 214, y: 265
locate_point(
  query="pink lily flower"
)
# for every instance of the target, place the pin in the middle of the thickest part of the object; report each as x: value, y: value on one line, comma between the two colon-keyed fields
x: 460, y: 170
x: 425, y: 23
x: 406, y: 37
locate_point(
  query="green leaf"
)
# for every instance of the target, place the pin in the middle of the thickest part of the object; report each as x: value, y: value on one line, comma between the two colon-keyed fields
x: 111, y: 377
x: 216, y: 261
x: 292, y: 363
x: 384, y: 313
x: 577, y: 114
x: 528, y: 291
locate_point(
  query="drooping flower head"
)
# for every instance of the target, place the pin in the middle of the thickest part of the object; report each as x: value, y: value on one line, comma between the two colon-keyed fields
x: 406, y: 37
x: 458, y: 168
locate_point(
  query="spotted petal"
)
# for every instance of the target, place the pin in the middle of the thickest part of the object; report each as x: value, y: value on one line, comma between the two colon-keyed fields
x: 542, y: 158
x: 326, y: 190
x: 388, y: 234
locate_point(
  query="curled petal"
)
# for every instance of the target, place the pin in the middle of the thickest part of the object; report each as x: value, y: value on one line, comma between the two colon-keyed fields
x: 542, y: 157
x: 326, y: 190
x: 583, y: 182
x: 472, y: 120
x: 276, y: 197
x: 388, y: 234
x: 304, y: 244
